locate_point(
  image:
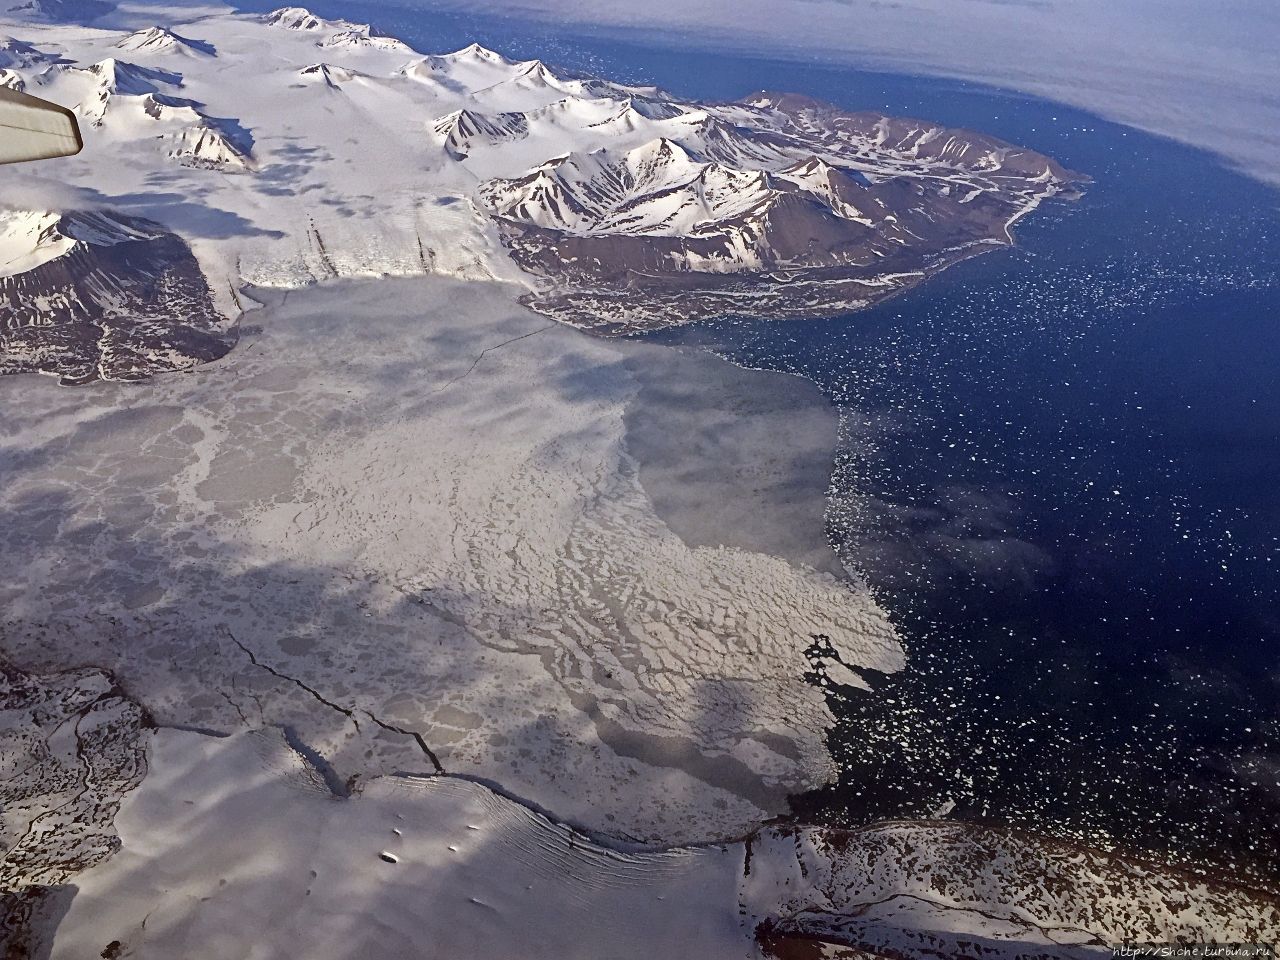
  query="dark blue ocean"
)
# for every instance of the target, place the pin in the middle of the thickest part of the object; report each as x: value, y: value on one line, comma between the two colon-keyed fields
x: 1059, y: 470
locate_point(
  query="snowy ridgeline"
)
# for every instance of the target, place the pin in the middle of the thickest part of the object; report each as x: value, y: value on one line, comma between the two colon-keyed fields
x: 287, y: 149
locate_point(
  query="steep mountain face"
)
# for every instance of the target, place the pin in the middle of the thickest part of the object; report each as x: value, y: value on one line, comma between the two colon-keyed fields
x: 207, y: 143
x: 327, y: 74
x: 98, y: 296
x: 464, y: 129
x: 101, y: 86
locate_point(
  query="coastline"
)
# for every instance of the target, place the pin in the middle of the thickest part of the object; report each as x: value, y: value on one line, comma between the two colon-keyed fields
x: 696, y: 479
x: 805, y: 468
x: 420, y: 854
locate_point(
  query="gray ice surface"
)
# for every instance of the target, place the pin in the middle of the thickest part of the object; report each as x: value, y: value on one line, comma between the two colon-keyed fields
x: 733, y: 456
x: 407, y: 509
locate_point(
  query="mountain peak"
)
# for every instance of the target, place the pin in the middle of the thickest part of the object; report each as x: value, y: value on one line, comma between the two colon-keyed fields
x: 327, y: 73
x: 208, y: 145
x: 537, y: 70
x: 462, y: 128
x: 300, y: 18
x: 360, y: 38
x: 161, y: 40
x: 474, y: 51
x: 120, y: 76
x: 650, y: 108
x: 809, y: 166
x: 112, y: 78
x: 662, y: 150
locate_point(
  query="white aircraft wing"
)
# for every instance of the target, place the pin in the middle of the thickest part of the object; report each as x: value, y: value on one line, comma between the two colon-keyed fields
x: 34, y: 129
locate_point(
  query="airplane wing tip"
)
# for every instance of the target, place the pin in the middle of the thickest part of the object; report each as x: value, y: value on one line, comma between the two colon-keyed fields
x: 35, y: 129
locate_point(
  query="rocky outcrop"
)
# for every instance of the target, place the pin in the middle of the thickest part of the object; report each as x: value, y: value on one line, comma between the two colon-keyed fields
x: 919, y: 890
x: 71, y: 748
x: 101, y: 296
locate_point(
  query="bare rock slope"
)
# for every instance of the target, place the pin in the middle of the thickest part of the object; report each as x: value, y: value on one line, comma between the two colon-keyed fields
x: 98, y: 295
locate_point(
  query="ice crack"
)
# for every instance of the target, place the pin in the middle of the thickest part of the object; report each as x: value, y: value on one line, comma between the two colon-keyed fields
x: 487, y: 350
x: 349, y: 713
x: 422, y: 744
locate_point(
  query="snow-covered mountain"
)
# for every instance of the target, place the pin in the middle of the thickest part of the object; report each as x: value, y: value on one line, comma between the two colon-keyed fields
x: 616, y: 207
x: 362, y: 39
x: 129, y: 101
x: 700, y: 218
x: 302, y: 19
x: 161, y: 40
x: 99, y: 87
x: 97, y: 295
x: 658, y: 189
x: 334, y: 33
x: 463, y: 130
x: 15, y: 54
x: 209, y: 144
x: 327, y: 74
